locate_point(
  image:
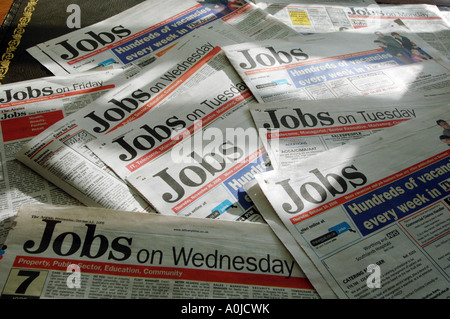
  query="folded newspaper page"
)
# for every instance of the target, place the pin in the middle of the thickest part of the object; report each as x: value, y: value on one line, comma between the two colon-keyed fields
x: 249, y: 22
x: 28, y: 108
x: 295, y: 130
x: 427, y: 21
x: 143, y: 33
x: 59, y: 153
x: 68, y: 252
x: 319, y: 66
x: 192, y: 155
x: 373, y: 215
x: 271, y: 218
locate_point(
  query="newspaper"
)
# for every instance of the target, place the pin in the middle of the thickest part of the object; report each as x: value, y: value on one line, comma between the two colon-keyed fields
x: 427, y: 21
x: 59, y: 153
x: 137, y: 38
x: 98, y: 253
x: 271, y: 218
x: 192, y: 155
x: 295, y: 130
x: 251, y: 23
x: 28, y: 108
x: 320, y: 67
x: 373, y: 215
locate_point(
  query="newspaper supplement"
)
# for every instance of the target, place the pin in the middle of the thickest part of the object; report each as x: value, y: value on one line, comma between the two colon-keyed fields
x: 271, y: 218
x: 68, y: 252
x: 299, y: 129
x: 426, y: 21
x: 48, y: 153
x: 131, y: 37
x: 28, y: 108
x: 193, y: 154
x: 297, y: 68
x: 129, y: 148
x: 251, y: 23
x: 376, y: 221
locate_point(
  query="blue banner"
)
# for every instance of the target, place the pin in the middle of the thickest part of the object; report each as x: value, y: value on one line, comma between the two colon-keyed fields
x: 401, y: 198
x: 163, y: 36
x: 235, y: 184
x: 332, y: 70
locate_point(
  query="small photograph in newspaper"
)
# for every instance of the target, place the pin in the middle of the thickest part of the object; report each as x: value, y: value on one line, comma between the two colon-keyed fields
x: 317, y: 67
x: 94, y: 253
x: 373, y: 215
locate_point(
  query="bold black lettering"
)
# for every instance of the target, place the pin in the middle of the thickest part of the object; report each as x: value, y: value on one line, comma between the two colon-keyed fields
x: 319, y: 189
x: 74, y: 52
x: 104, y: 124
x: 205, y: 163
x: 273, y: 118
x: 127, y: 147
x: 179, y: 190
x: 325, y: 180
x: 120, y: 31
x: 59, y: 240
x: 281, y: 56
x: 251, y: 63
x: 197, y: 171
x: 354, y: 175
x: 33, y: 93
x: 45, y: 239
x: 8, y: 97
x: 121, y: 248
x: 127, y: 104
x: 91, y: 45
x: 325, y: 118
x: 293, y: 195
x: 89, y: 239
x: 100, y: 37
x: 160, y: 132
x: 299, y: 54
x: 312, y: 122
x: 173, y: 122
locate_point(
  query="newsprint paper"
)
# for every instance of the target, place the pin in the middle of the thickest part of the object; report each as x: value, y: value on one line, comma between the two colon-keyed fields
x: 192, y: 155
x: 136, y: 39
x: 427, y: 21
x: 133, y: 36
x: 373, y: 216
x: 71, y: 252
x: 320, y: 67
x: 28, y: 108
x: 59, y: 153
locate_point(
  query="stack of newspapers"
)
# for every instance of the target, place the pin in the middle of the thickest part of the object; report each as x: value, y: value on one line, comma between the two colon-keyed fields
x: 232, y: 149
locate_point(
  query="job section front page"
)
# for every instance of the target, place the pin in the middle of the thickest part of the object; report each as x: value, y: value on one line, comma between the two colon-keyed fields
x: 369, y: 217
x: 295, y: 130
x: 27, y: 109
x: 320, y: 67
x: 427, y: 21
x: 59, y: 153
x: 192, y: 155
x: 135, y: 36
x: 70, y: 252
x: 134, y: 39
